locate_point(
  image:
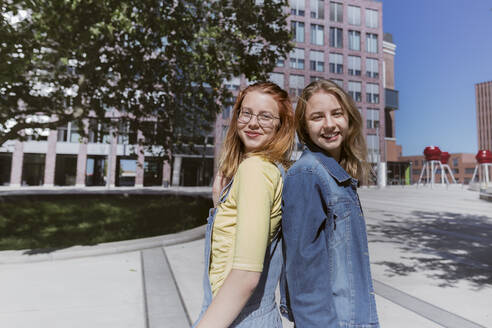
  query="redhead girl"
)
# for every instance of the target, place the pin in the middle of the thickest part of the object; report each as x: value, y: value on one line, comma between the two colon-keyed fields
x: 243, y: 251
x: 325, y: 242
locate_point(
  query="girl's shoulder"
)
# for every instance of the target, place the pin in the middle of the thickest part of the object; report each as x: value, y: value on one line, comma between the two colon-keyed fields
x: 307, y: 163
x: 253, y: 165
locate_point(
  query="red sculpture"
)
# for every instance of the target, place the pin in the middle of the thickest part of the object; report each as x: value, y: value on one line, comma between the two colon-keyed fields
x: 432, y: 153
x: 484, y: 157
x: 445, y: 157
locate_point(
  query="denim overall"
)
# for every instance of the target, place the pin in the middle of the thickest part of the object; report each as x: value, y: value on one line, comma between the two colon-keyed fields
x: 260, y: 311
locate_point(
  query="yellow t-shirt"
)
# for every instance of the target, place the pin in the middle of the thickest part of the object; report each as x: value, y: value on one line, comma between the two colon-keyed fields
x: 247, y: 221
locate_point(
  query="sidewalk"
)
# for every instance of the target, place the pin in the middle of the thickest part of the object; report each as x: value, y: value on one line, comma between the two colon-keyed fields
x: 431, y: 257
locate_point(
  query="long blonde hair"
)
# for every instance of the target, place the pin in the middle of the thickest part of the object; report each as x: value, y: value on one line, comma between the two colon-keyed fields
x: 277, y: 150
x: 353, y: 156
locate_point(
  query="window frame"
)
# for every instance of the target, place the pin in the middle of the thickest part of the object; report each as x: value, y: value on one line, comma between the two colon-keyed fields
x: 336, y: 12
x: 350, y: 18
x: 295, y: 28
x: 372, y: 40
x: 336, y: 37
x: 335, y: 65
x: 316, y: 38
x: 352, y: 37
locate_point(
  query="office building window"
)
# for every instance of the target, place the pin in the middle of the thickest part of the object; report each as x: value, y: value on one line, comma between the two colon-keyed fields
x: 317, y: 60
x: 373, y: 148
x: 455, y: 162
x: 296, y: 84
x: 297, y: 58
x: 280, y: 62
x: 372, y: 118
x: 336, y: 38
x: 317, y: 35
x: 338, y: 82
x: 297, y: 30
x: 68, y: 133
x: 127, y: 133
x: 296, y: 7
x: 336, y: 12
x: 372, y: 68
x: 278, y: 79
x: 315, y: 78
x: 371, y: 42
x: 99, y: 132
x: 371, y: 18
x: 354, y: 65
x: 74, y: 133
x: 372, y: 93
x: 354, y: 15
x: 223, y: 133
x: 228, y: 105
x: 355, y: 90
x: 336, y: 63
x: 233, y: 84
x: 317, y: 9
x: 354, y: 40
x: 62, y: 133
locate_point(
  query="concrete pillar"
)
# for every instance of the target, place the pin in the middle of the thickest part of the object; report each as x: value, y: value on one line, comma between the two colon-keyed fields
x: 166, y: 174
x: 81, y: 165
x: 176, y: 170
x: 113, y: 146
x: 382, y: 174
x: 50, y: 160
x: 17, y: 160
x: 82, y: 159
x: 139, y: 178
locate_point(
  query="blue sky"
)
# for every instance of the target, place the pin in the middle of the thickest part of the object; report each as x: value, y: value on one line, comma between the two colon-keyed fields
x: 444, y: 47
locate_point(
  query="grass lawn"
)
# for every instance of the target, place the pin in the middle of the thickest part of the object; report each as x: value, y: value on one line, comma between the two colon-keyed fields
x: 74, y: 220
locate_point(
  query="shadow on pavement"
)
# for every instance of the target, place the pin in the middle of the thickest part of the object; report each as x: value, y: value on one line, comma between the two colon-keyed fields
x: 450, y: 246
x: 41, y: 251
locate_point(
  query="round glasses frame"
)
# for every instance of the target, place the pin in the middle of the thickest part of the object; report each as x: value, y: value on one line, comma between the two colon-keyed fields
x: 263, y: 119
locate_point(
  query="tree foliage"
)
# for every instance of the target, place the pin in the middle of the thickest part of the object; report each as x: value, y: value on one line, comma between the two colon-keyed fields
x: 138, y: 60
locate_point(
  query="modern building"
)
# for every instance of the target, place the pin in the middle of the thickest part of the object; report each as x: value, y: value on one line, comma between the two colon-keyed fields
x: 397, y: 171
x: 483, y: 95
x: 339, y: 40
x: 462, y: 165
x: 63, y: 158
x: 343, y: 41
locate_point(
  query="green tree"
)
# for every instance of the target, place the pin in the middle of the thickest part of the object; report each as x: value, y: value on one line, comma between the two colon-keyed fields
x: 140, y: 60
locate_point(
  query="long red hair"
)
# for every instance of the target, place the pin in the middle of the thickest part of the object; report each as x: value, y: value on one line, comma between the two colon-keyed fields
x: 277, y: 150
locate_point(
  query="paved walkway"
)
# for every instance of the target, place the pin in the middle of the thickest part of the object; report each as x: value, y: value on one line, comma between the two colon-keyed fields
x: 431, y: 254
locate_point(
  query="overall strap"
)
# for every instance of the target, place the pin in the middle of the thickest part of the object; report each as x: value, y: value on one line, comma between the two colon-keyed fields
x: 279, y: 230
x: 225, y: 192
x: 281, y: 169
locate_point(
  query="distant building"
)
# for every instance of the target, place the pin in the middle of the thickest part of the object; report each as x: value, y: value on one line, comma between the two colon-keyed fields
x: 393, y: 151
x: 462, y: 165
x: 483, y: 95
x: 63, y: 158
x: 397, y: 171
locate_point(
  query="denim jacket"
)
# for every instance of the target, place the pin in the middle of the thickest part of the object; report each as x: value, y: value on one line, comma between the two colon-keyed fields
x: 327, y: 272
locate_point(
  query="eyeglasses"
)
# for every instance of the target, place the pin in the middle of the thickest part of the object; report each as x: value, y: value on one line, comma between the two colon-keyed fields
x: 265, y: 120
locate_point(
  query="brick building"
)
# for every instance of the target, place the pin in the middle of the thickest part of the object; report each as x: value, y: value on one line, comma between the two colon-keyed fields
x: 483, y: 95
x: 462, y: 165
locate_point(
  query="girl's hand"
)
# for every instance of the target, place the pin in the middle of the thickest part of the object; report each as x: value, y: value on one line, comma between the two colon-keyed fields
x: 238, y: 287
